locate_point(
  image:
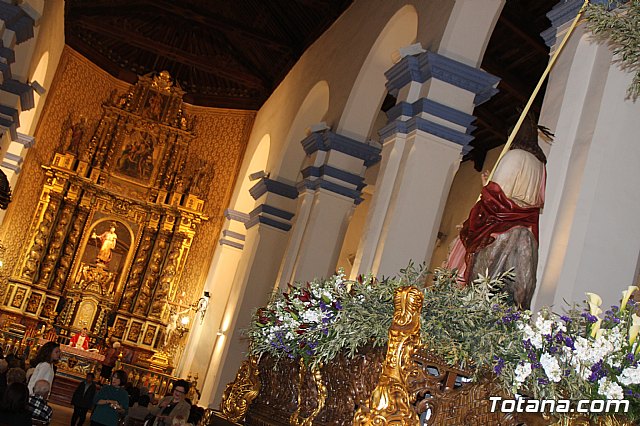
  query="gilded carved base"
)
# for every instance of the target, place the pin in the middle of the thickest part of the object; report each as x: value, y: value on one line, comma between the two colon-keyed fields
x: 377, y: 389
x: 239, y: 394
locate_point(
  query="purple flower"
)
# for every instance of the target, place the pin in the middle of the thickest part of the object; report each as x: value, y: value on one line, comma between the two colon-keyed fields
x: 630, y: 358
x: 499, y: 365
x: 590, y: 318
x: 597, y: 372
x: 568, y: 341
x: 337, y: 305
x: 566, y: 319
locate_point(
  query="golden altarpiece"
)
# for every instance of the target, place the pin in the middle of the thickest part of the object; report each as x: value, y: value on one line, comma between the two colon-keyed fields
x: 116, y: 218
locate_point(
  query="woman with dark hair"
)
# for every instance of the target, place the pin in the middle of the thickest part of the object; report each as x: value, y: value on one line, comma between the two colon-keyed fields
x: 48, y: 355
x: 173, y: 405
x: 111, y: 402
x: 13, y: 409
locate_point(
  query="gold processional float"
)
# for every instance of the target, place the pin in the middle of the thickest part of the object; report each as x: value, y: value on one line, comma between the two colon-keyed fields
x: 378, y: 387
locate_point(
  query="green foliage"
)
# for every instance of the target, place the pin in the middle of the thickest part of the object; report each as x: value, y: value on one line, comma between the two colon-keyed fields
x: 577, y: 355
x: 619, y: 24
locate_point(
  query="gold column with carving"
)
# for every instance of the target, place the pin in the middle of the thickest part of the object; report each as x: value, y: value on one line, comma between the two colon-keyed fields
x: 391, y: 402
x: 239, y: 394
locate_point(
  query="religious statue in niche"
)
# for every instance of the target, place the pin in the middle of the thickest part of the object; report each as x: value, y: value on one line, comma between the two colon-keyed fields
x: 108, y: 240
x: 76, y: 135
x: 154, y: 106
x: 73, y: 134
x: 136, y: 159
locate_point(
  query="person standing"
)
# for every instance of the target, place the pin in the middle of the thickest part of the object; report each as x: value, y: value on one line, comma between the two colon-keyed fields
x: 173, y: 405
x: 80, y: 340
x: 13, y: 408
x: 82, y: 400
x: 110, y: 358
x: 46, y: 357
x: 111, y: 402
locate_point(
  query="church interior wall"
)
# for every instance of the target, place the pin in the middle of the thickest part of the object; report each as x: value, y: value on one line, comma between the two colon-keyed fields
x: 36, y: 60
x: 586, y: 98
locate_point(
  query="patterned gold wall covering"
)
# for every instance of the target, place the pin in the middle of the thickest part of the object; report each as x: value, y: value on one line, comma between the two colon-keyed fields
x: 79, y: 90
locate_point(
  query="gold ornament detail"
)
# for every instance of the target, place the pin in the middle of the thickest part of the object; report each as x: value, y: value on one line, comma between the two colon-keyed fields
x: 239, y: 394
x: 316, y: 376
x: 391, y: 401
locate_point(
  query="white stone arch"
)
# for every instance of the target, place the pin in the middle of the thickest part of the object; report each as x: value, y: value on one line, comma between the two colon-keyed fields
x: 363, y: 109
x: 312, y: 111
x: 469, y: 29
x: 259, y: 160
x: 369, y: 89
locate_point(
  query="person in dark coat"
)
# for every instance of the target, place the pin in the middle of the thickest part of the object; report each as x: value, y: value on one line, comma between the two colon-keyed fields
x: 82, y: 400
x: 13, y: 408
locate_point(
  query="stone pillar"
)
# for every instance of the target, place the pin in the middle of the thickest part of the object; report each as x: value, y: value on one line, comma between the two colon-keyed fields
x: 264, y: 247
x: 428, y: 130
x: 589, y: 232
x: 330, y: 190
x: 198, y: 353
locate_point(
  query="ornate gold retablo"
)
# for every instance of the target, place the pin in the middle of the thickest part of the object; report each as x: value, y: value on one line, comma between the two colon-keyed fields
x: 159, y: 362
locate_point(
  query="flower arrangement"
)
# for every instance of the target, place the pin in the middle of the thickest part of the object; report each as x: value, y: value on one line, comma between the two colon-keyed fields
x: 297, y: 321
x: 580, y: 354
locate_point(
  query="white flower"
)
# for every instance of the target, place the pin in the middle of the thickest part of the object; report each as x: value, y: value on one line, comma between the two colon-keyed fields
x: 609, y: 389
x: 312, y: 316
x: 522, y: 372
x: 551, y: 367
x: 535, y: 338
x: 544, y: 326
x: 630, y: 376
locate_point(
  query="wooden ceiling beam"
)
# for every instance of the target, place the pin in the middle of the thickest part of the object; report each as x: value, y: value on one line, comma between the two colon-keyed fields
x: 515, y: 29
x: 207, y: 19
x: 490, y: 122
x: 510, y: 83
x: 221, y: 24
x: 157, y: 47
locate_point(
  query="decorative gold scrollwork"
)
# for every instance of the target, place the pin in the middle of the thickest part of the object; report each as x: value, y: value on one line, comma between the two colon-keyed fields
x: 390, y: 401
x: 239, y: 394
x: 316, y: 376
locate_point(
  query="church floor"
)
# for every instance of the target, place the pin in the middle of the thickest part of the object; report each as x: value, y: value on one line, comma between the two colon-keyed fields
x: 62, y: 415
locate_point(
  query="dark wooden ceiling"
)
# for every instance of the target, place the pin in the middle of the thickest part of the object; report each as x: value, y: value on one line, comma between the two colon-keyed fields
x: 518, y: 55
x: 229, y: 54
x: 233, y: 54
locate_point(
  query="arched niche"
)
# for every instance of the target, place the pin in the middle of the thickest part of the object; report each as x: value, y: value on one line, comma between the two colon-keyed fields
x: 85, y: 316
x: 363, y: 106
x: 312, y: 111
x: 121, y: 253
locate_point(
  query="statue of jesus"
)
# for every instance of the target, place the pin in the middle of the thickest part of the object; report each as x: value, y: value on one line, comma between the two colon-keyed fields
x: 502, y: 229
